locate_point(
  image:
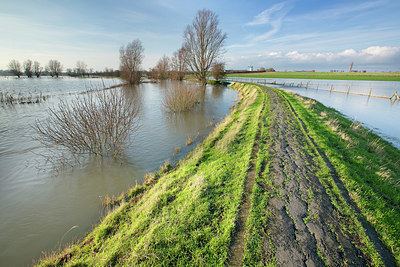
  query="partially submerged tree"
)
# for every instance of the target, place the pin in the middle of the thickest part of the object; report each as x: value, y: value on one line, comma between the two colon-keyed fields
x: 37, y: 69
x: 161, y: 71
x: 54, y: 68
x: 180, y: 97
x: 28, y: 68
x: 204, y: 42
x: 178, y: 65
x: 98, y: 123
x: 15, y: 67
x: 131, y: 58
x: 81, y: 68
x: 218, y: 71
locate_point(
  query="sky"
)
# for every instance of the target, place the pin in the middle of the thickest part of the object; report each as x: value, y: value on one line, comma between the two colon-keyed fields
x: 285, y: 35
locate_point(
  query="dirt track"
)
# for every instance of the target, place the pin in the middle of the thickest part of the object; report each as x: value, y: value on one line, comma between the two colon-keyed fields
x: 303, y: 225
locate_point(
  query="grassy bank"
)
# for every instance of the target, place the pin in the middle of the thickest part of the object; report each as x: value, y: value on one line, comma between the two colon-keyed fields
x: 324, y: 75
x: 312, y: 181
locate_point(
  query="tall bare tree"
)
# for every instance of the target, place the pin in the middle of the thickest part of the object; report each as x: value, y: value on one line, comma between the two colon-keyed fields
x: 37, y: 69
x: 162, y: 68
x: 178, y: 65
x: 54, y: 68
x: 81, y: 68
x: 204, y: 42
x: 131, y: 58
x: 15, y: 67
x: 28, y: 68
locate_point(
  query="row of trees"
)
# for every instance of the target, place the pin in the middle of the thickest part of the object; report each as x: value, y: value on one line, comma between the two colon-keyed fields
x: 54, y: 69
x: 30, y: 68
x: 202, y: 47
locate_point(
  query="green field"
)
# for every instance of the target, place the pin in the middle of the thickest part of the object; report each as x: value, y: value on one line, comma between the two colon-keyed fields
x: 324, y: 75
x: 282, y: 180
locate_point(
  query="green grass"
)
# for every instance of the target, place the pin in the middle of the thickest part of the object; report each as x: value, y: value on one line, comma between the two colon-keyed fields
x: 186, y: 214
x: 324, y: 75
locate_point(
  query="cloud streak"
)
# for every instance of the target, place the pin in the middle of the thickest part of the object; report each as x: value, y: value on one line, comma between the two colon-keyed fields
x: 265, y: 16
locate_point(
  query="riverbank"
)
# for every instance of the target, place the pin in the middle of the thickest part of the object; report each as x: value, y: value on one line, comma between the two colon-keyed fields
x: 359, y: 76
x: 282, y: 180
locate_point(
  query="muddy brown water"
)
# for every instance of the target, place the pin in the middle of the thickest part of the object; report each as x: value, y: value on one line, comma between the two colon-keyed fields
x: 41, y: 209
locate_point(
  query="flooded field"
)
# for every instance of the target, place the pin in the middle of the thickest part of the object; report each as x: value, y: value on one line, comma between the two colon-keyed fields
x: 43, y: 207
x: 378, y: 114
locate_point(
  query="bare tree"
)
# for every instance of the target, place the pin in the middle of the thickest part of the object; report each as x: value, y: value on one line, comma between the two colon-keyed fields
x: 28, y: 68
x: 218, y: 70
x: 162, y: 68
x: 204, y: 43
x: 178, y: 65
x: 37, y: 69
x: 98, y: 123
x: 81, y: 68
x: 15, y: 67
x: 131, y: 58
x: 54, y: 68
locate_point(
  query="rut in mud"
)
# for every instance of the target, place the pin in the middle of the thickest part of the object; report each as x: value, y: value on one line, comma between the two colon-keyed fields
x: 303, y: 226
x: 238, y: 240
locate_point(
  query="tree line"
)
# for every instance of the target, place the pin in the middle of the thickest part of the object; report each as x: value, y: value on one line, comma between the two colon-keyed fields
x: 200, y: 52
x: 54, y: 68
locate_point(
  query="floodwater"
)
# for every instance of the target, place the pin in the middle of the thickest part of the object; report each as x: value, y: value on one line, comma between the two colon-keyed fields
x: 378, y: 114
x: 42, y: 207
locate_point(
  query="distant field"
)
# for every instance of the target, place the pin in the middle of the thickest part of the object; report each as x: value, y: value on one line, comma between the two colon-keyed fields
x: 324, y: 75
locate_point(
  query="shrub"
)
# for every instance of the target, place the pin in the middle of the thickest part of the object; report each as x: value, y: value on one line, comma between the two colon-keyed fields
x: 181, y: 97
x: 98, y: 122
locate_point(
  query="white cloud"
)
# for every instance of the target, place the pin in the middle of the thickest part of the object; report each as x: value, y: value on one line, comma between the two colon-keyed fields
x: 370, y: 55
x: 383, y: 57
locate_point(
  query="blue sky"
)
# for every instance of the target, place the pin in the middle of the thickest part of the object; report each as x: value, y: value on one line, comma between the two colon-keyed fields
x: 285, y: 35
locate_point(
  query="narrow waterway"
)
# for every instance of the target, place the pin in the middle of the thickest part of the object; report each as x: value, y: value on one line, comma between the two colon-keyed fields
x: 42, y: 206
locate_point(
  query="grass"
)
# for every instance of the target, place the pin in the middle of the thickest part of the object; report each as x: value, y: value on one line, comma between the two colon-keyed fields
x: 395, y: 76
x: 186, y: 214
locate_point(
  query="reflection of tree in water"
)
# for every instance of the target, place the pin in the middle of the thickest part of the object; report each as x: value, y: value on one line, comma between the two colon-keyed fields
x: 217, y: 91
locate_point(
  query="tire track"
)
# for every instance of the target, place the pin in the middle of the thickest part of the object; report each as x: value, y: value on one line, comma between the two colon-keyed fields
x: 304, y: 226
x: 384, y: 253
x: 238, y: 239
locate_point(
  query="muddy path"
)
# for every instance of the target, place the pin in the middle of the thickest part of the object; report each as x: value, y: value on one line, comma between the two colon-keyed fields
x: 303, y: 226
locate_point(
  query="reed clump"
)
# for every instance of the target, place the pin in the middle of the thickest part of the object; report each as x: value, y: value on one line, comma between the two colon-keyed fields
x: 181, y: 97
x: 99, y: 123
x: 13, y: 99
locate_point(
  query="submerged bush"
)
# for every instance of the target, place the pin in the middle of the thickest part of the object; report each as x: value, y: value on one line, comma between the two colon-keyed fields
x: 98, y: 122
x: 181, y: 97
